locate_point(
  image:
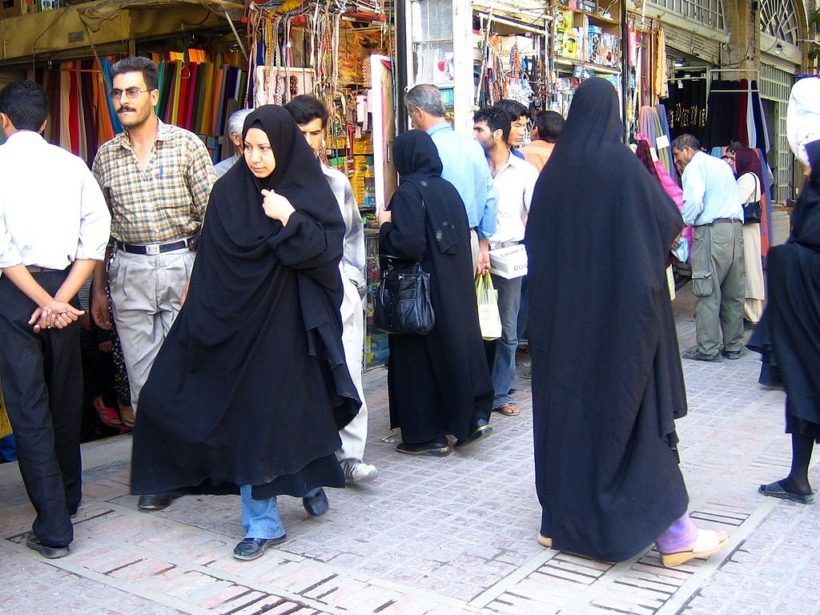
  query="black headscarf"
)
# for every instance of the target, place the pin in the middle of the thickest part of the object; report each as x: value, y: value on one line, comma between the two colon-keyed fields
x: 418, y: 163
x: 606, y: 375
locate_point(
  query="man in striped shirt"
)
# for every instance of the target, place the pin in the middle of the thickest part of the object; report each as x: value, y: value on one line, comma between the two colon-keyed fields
x: 156, y: 179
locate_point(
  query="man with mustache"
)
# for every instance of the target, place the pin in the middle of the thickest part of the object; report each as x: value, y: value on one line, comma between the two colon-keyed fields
x: 156, y: 179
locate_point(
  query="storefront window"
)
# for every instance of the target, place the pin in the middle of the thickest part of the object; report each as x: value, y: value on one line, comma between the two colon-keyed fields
x: 707, y: 12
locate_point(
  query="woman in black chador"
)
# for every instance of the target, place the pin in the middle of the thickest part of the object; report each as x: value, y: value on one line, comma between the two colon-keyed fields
x: 438, y: 383
x: 245, y: 388
x: 788, y: 335
x: 606, y: 376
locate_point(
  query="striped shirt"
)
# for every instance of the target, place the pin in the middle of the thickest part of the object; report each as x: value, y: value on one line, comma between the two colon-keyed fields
x: 164, y: 201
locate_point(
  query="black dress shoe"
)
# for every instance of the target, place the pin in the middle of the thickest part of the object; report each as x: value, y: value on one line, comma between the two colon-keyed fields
x: 316, y: 505
x: 480, y: 429
x: 732, y: 355
x: 32, y: 542
x: 251, y: 548
x: 696, y: 355
x: 438, y: 447
x: 151, y: 503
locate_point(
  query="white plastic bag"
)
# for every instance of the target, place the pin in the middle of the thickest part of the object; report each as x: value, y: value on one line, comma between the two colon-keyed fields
x: 488, y: 316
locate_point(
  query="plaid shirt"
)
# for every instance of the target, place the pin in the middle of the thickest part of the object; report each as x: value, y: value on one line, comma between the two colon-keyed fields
x: 166, y: 200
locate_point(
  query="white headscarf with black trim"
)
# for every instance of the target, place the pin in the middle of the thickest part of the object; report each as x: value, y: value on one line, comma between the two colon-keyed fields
x: 803, y: 116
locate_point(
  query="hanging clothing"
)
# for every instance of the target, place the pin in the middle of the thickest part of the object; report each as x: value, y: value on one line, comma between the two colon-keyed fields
x: 440, y: 382
x: 606, y: 469
x: 245, y: 388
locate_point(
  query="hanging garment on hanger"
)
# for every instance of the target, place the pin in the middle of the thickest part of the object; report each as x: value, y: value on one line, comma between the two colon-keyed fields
x: 661, y: 67
x: 761, y: 129
x: 751, y: 129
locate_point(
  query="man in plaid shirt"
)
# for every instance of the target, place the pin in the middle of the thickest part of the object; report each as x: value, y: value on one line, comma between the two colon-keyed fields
x: 156, y: 179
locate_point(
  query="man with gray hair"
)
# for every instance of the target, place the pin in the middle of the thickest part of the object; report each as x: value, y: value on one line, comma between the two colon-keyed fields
x: 235, y: 125
x: 464, y: 166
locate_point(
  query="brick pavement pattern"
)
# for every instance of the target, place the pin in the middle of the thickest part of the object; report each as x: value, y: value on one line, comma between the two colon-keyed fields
x: 436, y: 536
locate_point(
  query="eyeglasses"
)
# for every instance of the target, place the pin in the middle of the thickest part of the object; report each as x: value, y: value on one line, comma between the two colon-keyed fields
x: 130, y: 93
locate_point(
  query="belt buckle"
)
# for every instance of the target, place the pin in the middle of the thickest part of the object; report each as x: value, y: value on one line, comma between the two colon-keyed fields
x: 152, y: 250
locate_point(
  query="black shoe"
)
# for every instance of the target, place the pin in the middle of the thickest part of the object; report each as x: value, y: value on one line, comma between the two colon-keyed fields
x: 436, y: 448
x: 732, y: 355
x: 32, y: 542
x: 152, y: 503
x: 696, y: 355
x: 481, y: 429
x: 316, y: 505
x: 251, y: 548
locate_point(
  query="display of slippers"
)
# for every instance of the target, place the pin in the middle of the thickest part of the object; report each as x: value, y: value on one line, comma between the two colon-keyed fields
x: 776, y: 490
x: 707, y: 543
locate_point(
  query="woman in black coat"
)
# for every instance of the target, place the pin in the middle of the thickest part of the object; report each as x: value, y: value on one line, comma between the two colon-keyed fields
x: 438, y: 383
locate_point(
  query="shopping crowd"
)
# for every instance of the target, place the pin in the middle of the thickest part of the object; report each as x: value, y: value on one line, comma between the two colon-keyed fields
x: 235, y: 306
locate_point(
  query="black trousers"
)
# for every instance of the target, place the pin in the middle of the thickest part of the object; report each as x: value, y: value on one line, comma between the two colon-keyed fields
x: 42, y: 383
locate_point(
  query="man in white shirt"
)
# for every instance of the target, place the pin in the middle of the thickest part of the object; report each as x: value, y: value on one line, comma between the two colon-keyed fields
x: 311, y: 116
x: 235, y: 124
x: 514, y: 180
x: 712, y: 206
x: 54, y: 226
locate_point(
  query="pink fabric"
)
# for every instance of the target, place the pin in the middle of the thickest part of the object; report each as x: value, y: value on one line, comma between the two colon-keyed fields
x: 674, y: 191
x: 680, y: 536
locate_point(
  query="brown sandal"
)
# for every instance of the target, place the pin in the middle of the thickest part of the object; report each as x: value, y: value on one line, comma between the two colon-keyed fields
x: 508, y: 409
x: 126, y: 413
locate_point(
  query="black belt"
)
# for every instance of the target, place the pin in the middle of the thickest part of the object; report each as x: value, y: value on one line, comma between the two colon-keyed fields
x: 153, y: 248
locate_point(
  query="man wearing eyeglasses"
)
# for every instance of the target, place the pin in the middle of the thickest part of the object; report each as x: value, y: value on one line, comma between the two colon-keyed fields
x: 156, y: 179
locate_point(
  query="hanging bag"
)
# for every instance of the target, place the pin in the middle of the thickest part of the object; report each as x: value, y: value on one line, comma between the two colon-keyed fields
x: 489, y: 318
x: 402, y: 302
x: 752, y: 210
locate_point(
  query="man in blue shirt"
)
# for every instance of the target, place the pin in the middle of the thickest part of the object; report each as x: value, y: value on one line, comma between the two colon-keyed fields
x: 464, y: 166
x: 711, y: 203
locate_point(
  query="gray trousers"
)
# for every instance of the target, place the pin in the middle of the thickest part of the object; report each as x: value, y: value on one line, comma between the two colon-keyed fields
x: 719, y: 285
x: 145, y: 298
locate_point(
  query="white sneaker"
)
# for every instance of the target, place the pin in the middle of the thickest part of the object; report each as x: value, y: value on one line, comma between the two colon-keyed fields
x: 358, y: 471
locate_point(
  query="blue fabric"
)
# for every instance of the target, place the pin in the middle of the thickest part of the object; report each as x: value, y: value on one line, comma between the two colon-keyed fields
x: 260, y: 518
x: 509, y: 302
x: 465, y: 166
x: 8, y: 449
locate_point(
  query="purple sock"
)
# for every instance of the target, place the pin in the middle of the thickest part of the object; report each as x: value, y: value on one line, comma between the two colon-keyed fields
x: 681, y: 535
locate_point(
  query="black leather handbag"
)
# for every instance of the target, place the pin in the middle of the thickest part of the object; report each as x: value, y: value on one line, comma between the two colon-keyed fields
x: 751, y: 211
x: 402, y: 304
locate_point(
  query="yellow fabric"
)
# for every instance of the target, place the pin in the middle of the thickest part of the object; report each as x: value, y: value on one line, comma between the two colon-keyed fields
x: 5, y: 425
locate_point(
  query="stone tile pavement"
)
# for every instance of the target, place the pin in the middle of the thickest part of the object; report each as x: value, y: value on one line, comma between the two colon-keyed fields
x: 436, y: 536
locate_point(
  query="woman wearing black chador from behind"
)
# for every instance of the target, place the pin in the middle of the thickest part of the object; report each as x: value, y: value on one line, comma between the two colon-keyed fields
x: 606, y: 377
x: 243, y: 394
x: 438, y: 383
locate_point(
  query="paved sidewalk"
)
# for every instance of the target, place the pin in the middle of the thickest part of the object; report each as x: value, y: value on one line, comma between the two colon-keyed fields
x: 453, y: 535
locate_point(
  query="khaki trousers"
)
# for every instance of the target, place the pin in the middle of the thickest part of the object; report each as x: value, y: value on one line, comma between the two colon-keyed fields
x: 145, y: 299
x: 719, y: 285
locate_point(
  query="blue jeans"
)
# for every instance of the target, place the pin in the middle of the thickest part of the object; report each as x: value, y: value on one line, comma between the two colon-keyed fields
x: 509, y: 302
x: 260, y: 518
